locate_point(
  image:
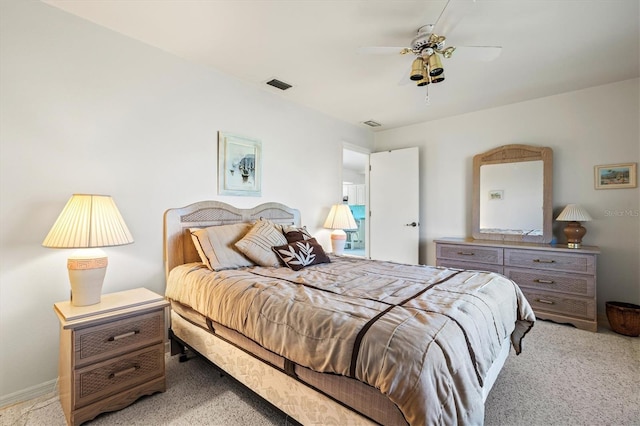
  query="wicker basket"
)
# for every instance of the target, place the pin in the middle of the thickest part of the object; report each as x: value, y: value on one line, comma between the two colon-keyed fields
x: 624, y: 318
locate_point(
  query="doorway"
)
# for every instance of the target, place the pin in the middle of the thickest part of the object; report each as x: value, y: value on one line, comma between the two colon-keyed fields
x: 355, y: 193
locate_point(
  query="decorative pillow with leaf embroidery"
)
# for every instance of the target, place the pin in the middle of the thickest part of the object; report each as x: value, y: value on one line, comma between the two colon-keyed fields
x: 301, y: 253
x: 294, y: 233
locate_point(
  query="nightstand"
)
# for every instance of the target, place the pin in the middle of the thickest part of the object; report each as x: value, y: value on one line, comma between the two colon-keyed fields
x: 111, y: 353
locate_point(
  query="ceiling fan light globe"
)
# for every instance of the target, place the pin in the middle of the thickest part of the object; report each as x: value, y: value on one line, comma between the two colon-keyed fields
x: 435, y: 66
x: 426, y: 80
x: 437, y: 79
x: 417, y: 70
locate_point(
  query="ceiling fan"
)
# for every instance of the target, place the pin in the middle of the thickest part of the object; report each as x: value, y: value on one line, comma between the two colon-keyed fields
x: 428, y: 47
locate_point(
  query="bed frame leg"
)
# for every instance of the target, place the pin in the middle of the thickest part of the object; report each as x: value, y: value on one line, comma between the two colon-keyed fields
x: 177, y: 347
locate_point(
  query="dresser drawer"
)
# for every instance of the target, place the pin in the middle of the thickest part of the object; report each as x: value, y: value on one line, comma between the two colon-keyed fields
x: 577, y: 284
x: 470, y: 266
x: 468, y: 253
x: 105, y: 341
x: 561, y: 304
x: 101, y: 380
x: 556, y: 261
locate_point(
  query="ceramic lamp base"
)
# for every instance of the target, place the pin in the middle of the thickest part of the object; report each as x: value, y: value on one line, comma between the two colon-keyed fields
x: 86, y: 275
x: 338, y: 239
x: 574, y: 233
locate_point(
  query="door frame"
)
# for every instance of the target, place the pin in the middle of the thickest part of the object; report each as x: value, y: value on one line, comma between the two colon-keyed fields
x: 356, y: 148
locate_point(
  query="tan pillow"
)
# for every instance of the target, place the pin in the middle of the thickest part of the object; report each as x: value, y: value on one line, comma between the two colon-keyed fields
x: 257, y: 243
x: 216, y: 246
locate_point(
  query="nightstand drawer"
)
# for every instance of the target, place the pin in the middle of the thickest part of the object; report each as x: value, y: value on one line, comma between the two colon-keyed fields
x: 108, y: 340
x: 560, y: 304
x: 580, y: 285
x: 584, y: 264
x: 101, y: 380
x: 469, y: 253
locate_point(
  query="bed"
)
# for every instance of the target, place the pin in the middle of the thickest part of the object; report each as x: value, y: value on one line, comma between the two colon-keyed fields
x: 344, y: 341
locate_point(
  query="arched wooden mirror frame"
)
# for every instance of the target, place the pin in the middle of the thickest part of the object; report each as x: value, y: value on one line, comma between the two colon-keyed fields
x: 512, y: 154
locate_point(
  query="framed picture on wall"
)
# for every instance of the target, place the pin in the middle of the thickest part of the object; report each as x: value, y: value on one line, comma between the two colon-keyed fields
x: 239, y: 165
x: 496, y: 194
x: 616, y: 176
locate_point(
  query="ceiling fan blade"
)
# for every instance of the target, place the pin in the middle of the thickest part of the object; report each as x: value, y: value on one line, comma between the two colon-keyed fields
x: 380, y: 50
x: 477, y: 53
x: 453, y: 13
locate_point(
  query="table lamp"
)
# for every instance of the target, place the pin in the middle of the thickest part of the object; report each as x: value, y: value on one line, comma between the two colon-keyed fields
x: 87, y: 223
x: 574, y: 214
x: 339, y: 219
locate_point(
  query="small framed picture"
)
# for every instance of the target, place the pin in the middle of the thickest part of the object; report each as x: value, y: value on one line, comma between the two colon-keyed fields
x: 616, y: 176
x: 239, y: 165
x: 496, y: 194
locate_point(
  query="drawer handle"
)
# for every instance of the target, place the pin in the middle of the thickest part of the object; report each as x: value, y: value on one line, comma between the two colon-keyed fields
x: 466, y: 253
x: 123, y: 335
x: 545, y: 301
x: 543, y: 261
x: 123, y: 372
x: 541, y: 281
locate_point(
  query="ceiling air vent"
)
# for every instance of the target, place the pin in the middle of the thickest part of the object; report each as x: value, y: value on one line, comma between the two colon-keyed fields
x: 372, y: 123
x: 278, y: 84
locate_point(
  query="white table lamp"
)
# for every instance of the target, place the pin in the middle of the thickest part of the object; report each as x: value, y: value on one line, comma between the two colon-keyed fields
x: 87, y: 223
x: 574, y: 214
x: 339, y: 219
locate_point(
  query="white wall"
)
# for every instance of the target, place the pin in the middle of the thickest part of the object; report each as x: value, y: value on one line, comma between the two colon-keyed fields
x: 594, y: 126
x: 86, y: 110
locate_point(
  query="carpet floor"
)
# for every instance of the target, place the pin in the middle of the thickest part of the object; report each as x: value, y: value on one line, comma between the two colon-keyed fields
x: 564, y: 376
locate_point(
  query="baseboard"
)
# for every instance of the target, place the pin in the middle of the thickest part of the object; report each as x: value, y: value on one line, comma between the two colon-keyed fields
x: 603, y: 321
x: 28, y: 393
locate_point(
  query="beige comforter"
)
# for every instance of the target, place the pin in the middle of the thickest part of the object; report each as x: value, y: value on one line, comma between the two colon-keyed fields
x: 423, y: 336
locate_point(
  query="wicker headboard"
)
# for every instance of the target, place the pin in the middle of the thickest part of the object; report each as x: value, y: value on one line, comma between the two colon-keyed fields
x: 178, y: 247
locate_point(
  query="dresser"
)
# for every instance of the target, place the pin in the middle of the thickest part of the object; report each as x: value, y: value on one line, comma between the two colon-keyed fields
x: 558, y: 282
x: 111, y: 353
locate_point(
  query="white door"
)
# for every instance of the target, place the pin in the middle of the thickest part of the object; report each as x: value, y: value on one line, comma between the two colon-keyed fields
x: 394, y: 205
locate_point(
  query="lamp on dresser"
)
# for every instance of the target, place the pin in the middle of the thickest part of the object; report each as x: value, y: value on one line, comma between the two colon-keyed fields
x: 87, y: 223
x: 339, y: 219
x: 574, y: 231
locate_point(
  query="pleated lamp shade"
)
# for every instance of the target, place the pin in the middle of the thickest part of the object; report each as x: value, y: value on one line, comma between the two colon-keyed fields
x: 573, y: 212
x: 87, y: 223
x: 340, y: 217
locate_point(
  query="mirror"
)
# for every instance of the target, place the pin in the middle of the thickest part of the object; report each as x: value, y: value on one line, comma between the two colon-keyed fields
x: 512, y: 194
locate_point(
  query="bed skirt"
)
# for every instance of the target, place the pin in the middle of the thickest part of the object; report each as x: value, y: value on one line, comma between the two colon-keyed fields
x: 264, y: 373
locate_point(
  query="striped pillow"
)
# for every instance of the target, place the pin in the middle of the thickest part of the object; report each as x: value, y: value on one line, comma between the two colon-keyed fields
x: 257, y: 243
x: 215, y: 246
